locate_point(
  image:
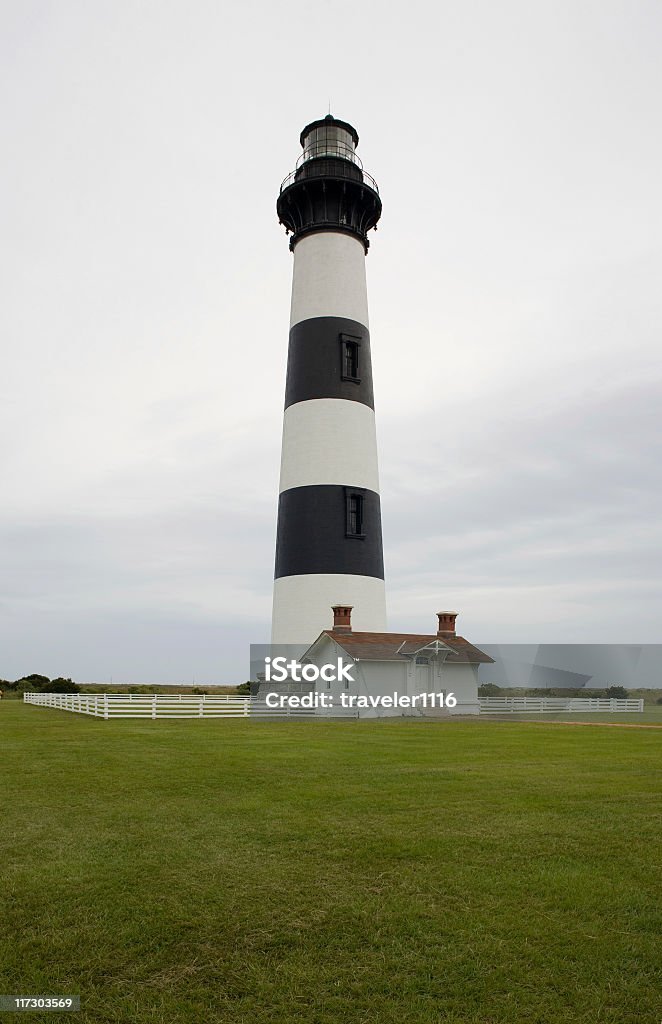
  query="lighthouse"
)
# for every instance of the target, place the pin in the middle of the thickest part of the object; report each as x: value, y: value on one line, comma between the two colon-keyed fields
x: 329, y: 536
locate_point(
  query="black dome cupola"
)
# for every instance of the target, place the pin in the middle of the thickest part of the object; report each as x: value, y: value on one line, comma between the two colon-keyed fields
x: 329, y: 190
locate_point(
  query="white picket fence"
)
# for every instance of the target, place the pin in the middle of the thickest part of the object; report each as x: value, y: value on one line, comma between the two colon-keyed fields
x: 537, y: 705
x: 161, y: 705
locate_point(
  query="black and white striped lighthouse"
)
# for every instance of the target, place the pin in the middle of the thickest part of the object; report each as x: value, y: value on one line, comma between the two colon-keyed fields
x: 329, y: 540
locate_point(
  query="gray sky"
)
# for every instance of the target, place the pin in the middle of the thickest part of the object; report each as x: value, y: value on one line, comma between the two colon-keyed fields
x: 515, y: 300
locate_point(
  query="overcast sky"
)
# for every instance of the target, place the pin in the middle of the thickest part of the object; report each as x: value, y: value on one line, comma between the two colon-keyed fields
x: 515, y: 301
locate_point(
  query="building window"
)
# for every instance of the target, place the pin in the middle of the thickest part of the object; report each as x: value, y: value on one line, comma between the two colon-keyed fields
x: 350, y: 348
x: 354, y: 526
x: 422, y: 661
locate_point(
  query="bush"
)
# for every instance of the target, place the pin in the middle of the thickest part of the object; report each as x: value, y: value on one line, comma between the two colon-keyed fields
x: 617, y: 692
x: 489, y: 690
x: 33, y: 682
x: 61, y: 685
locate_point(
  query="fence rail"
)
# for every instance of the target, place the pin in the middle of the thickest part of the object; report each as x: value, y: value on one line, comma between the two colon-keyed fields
x: 184, y: 705
x: 536, y: 705
x: 165, y: 705
x: 144, y: 705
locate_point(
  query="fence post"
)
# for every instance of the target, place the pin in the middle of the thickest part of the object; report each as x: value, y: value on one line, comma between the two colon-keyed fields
x: 105, y: 705
x: 247, y: 707
x: 154, y: 706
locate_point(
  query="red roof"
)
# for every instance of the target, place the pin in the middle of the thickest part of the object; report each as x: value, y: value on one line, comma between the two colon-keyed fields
x: 393, y: 646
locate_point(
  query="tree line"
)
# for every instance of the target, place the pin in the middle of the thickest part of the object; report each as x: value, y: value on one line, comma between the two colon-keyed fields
x: 492, y: 690
x: 36, y: 683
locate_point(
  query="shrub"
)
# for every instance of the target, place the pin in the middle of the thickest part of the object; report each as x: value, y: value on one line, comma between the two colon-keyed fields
x: 61, y: 685
x: 33, y: 682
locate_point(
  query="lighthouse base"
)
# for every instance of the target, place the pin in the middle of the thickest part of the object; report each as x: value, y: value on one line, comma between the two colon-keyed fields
x: 302, y: 605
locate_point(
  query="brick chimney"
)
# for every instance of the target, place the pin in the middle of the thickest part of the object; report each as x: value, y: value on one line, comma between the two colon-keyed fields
x: 446, y: 623
x: 342, y: 618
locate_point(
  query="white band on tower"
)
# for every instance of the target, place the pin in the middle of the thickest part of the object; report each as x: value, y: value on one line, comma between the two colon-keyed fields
x: 328, y: 278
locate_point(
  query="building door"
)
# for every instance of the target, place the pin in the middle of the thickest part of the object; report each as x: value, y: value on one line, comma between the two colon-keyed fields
x: 423, y: 675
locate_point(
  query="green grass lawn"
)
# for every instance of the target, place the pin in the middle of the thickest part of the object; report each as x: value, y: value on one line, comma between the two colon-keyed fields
x: 385, y: 872
x: 651, y: 715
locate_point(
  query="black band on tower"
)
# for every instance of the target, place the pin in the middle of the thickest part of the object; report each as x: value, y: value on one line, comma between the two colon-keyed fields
x: 329, y: 357
x: 328, y: 528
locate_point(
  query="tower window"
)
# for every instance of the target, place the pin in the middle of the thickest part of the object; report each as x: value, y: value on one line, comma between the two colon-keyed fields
x: 351, y: 359
x: 354, y: 514
x: 350, y: 349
